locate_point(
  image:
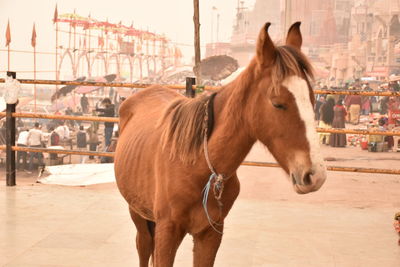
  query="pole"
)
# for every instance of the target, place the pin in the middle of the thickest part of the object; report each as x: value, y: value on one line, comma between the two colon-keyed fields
x: 57, y: 76
x: 8, y: 55
x: 34, y: 76
x: 74, y: 66
x: 190, y: 81
x: 212, y: 26
x: 217, y: 27
x: 8, y: 43
x: 69, y: 35
x: 197, y: 55
x: 10, y: 141
x: 89, y: 52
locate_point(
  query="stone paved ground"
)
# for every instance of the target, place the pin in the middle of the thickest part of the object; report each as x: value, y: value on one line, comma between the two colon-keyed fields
x: 347, y: 223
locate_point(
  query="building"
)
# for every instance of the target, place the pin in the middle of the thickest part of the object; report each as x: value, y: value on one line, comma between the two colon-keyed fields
x: 345, y: 39
x: 248, y: 24
x: 324, y: 23
x: 373, y: 47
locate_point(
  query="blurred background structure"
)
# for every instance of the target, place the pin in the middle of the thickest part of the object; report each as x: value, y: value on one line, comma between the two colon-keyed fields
x: 346, y: 40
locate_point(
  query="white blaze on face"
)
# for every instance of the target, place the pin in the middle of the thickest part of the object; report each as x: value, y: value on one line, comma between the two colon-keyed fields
x: 299, y: 89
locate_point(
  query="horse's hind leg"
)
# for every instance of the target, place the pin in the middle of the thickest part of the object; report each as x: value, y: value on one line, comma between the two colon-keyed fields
x: 205, y: 249
x: 144, y: 238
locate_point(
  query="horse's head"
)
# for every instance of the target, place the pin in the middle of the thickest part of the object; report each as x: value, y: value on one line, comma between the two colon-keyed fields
x: 282, y: 116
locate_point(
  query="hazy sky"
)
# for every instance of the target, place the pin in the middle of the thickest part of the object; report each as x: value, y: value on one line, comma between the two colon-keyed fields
x: 172, y: 17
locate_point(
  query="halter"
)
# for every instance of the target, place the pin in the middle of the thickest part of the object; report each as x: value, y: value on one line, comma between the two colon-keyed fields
x: 219, y: 179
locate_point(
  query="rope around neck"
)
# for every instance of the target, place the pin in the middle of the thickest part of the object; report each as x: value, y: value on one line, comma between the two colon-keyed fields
x: 205, y: 192
x: 218, y: 186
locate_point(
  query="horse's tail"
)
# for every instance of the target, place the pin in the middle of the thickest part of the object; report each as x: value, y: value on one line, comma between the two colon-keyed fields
x: 145, y: 236
x: 151, y: 226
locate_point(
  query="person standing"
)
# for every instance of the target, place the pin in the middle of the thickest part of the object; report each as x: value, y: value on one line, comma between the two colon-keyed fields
x: 22, y: 142
x: 107, y: 111
x: 354, y: 107
x: 81, y: 142
x: 63, y: 131
x: 326, y: 118
x: 93, y: 140
x: 85, y: 104
x: 54, y: 141
x: 318, y: 104
x: 366, y: 105
x: 35, y: 139
x: 339, y: 117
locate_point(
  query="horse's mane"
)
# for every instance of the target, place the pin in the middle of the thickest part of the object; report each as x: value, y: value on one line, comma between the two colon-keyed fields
x: 182, y: 121
x: 183, y: 131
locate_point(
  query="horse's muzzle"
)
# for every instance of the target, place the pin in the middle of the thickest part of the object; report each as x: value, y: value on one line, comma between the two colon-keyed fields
x: 308, y: 181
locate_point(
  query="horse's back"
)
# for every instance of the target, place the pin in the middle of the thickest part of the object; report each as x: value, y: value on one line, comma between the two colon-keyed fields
x: 156, y: 97
x: 138, y: 145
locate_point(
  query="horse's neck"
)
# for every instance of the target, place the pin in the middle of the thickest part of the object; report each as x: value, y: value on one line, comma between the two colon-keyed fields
x: 230, y: 142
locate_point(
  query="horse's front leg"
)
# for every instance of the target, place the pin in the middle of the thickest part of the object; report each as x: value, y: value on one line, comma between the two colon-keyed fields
x: 168, y: 237
x: 206, y: 244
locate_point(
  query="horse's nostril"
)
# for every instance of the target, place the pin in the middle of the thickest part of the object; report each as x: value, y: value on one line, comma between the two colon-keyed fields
x: 293, y: 179
x: 307, y: 178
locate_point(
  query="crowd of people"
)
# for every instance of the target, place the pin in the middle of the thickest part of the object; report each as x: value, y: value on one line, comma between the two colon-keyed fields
x: 59, y: 134
x: 334, y: 111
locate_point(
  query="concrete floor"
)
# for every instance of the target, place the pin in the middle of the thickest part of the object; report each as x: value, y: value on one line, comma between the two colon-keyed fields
x: 347, y: 223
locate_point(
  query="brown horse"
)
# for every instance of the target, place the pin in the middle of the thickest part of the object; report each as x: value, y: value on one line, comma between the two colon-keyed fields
x: 169, y: 146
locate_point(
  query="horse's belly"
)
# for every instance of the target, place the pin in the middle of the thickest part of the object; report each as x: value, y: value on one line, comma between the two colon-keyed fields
x: 139, y: 147
x: 135, y: 157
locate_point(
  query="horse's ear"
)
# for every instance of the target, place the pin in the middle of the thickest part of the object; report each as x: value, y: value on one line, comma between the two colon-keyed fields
x: 266, y: 52
x: 294, y: 38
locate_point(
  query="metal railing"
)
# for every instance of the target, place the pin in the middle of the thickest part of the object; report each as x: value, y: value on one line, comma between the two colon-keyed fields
x: 10, y: 115
x: 194, y: 86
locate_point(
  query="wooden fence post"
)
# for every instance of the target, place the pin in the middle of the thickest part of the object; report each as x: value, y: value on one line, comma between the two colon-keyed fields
x: 10, y: 140
x: 190, y: 81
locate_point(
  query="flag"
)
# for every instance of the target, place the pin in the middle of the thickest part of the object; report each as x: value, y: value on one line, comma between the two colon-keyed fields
x: 55, y: 15
x: 8, y: 34
x: 33, y: 39
x: 101, y: 41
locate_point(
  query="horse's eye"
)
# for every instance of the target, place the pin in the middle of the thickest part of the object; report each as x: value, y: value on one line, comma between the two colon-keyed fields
x: 279, y: 106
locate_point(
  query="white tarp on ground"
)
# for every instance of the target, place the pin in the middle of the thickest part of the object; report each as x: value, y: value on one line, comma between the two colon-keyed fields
x: 79, y: 174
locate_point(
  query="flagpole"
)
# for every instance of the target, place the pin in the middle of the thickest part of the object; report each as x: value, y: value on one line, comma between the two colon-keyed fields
x: 8, y: 55
x: 8, y: 42
x: 75, y: 67
x: 57, y: 76
x: 34, y: 73
x: 33, y: 43
x: 88, y: 40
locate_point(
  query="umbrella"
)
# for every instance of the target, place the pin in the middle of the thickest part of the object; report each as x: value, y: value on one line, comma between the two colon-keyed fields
x: 110, y: 77
x: 63, y: 91
x: 217, y: 67
x: 88, y: 89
